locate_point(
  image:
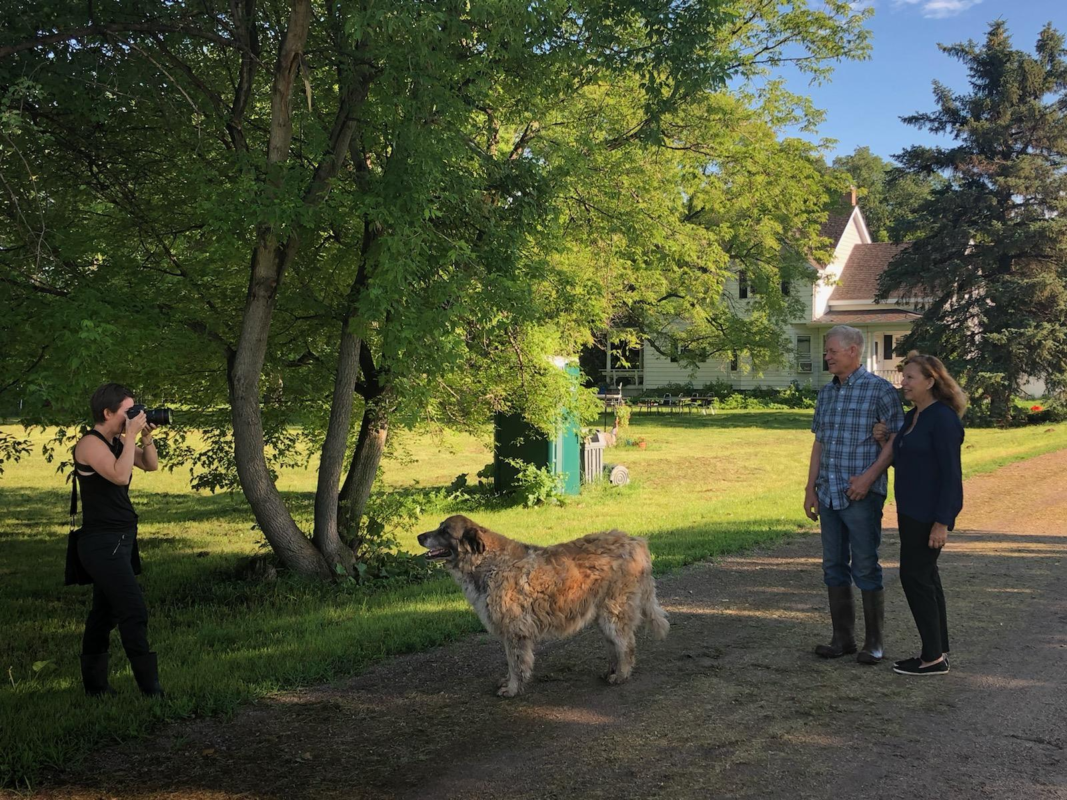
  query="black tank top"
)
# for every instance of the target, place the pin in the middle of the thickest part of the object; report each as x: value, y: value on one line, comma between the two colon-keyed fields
x: 105, y: 506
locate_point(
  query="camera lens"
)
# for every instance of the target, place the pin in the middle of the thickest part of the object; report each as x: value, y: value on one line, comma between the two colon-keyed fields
x: 153, y: 416
x: 159, y: 416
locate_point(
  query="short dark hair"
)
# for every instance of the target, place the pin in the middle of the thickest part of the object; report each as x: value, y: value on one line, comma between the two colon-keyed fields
x: 108, y: 397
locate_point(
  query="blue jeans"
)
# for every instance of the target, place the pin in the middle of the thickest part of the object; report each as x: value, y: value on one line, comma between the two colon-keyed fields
x: 852, y: 534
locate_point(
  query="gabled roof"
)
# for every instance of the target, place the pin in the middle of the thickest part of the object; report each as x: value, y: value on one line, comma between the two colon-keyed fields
x: 835, y: 226
x: 859, y: 276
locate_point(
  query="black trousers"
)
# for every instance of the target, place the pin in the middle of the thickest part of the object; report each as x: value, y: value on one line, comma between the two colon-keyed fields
x: 921, y: 582
x: 117, y: 597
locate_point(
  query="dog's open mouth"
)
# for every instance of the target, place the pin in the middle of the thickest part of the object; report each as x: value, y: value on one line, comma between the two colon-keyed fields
x: 435, y: 553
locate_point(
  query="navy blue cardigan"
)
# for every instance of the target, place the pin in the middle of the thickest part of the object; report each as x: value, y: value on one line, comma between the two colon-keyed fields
x: 929, y: 479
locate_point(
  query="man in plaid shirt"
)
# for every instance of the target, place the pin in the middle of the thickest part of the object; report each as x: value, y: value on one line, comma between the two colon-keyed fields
x: 847, y: 487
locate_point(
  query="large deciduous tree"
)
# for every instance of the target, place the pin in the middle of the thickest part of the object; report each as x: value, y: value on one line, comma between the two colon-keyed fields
x: 888, y: 195
x: 991, y: 263
x: 356, y: 215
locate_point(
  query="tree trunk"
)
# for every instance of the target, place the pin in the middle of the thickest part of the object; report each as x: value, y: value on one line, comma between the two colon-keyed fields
x: 288, y: 541
x: 326, y: 538
x: 1000, y: 403
x: 373, y: 431
x: 269, y: 261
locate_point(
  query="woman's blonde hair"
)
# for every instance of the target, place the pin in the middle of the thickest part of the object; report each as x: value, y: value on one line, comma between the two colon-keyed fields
x: 945, y: 387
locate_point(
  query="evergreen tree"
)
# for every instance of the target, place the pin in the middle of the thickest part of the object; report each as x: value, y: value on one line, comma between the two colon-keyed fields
x: 990, y: 268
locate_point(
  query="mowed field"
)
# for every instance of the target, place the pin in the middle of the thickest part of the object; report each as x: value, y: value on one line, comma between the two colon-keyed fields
x: 704, y: 486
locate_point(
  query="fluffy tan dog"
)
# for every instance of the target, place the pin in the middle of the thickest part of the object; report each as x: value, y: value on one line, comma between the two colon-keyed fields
x: 525, y: 594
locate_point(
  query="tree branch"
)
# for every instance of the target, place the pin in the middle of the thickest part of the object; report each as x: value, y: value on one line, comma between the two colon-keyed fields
x: 113, y: 28
x: 35, y: 287
x: 246, y: 32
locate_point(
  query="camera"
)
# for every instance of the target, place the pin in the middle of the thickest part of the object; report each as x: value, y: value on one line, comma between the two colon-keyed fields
x: 155, y: 416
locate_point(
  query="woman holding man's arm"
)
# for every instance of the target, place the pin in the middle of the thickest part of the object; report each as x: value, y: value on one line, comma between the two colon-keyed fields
x: 929, y: 496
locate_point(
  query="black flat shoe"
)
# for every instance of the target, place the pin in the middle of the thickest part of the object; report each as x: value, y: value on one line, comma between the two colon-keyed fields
x: 914, y: 661
x: 916, y: 670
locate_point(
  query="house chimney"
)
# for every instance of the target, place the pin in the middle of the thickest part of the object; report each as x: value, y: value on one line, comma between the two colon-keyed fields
x: 852, y: 189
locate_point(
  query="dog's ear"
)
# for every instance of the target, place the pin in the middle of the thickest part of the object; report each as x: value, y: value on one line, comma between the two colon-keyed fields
x: 472, y: 536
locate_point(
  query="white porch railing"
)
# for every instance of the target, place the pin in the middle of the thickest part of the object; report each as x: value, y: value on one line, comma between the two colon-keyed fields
x: 612, y: 376
x: 891, y: 375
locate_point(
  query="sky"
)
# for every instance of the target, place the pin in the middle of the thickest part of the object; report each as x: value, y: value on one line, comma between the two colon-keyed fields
x: 864, y: 100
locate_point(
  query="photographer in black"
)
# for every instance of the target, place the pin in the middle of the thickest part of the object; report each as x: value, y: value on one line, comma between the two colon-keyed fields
x: 106, y: 544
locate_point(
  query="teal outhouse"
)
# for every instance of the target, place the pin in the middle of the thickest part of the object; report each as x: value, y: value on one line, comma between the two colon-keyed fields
x: 516, y: 439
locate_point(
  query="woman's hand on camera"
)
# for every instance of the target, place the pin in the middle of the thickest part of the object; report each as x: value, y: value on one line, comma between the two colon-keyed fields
x: 136, y: 424
x: 146, y: 433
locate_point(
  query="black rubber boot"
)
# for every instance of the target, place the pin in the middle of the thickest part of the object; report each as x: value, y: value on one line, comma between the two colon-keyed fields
x: 843, y: 616
x: 146, y: 673
x: 94, y: 676
x: 873, y: 621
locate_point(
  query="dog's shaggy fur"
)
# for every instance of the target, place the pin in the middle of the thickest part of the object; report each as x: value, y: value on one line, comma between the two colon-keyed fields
x: 525, y: 594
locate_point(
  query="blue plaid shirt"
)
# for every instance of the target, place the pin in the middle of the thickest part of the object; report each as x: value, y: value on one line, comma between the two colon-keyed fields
x: 845, y: 414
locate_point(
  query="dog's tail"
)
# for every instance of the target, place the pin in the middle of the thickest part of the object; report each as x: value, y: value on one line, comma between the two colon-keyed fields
x: 655, y: 616
x: 652, y: 611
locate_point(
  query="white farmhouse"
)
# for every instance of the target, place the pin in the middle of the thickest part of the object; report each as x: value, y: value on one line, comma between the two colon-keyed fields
x: 842, y: 293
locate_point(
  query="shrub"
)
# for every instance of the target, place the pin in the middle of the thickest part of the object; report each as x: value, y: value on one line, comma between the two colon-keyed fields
x: 1056, y: 411
x: 379, y: 557
x: 759, y: 397
x: 978, y: 415
x: 719, y: 389
x: 535, y: 485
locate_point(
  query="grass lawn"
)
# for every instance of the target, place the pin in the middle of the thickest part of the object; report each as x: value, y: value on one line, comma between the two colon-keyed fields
x: 703, y: 487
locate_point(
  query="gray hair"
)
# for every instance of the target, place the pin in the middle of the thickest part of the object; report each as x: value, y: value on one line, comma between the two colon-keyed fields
x: 846, y: 335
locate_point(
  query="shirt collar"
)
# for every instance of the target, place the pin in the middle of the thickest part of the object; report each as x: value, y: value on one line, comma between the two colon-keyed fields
x: 856, y: 375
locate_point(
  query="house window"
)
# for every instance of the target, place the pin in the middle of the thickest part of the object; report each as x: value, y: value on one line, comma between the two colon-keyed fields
x: 734, y: 361
x: 742, y: 285
x: 679, y: 352
x: 785, y: 288
x: 803, y: 349
x: 887, y: 346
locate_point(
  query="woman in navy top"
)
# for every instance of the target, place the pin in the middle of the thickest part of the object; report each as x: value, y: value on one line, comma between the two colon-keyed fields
x: 929, y: 496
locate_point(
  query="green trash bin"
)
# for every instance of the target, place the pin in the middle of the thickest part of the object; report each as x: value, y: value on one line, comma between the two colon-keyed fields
x: 515, y: 438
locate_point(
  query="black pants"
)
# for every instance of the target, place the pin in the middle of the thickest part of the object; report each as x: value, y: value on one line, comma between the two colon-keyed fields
x: 117, y: 597
x: 922, y: 585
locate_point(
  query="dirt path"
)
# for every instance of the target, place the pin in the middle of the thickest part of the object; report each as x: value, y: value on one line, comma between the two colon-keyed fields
x: 732, y: 704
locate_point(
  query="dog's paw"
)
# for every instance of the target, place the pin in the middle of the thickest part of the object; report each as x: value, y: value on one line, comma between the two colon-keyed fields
x: 508, y: 691
x: 614, y: 678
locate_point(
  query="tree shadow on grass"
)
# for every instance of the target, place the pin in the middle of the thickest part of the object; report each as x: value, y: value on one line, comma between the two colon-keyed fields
x: 24, y: 509
x: 732, y: 703
x: 266, y: 636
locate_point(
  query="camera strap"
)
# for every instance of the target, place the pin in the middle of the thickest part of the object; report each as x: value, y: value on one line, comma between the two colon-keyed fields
x: 74, y: 480
x: 73, y: 497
